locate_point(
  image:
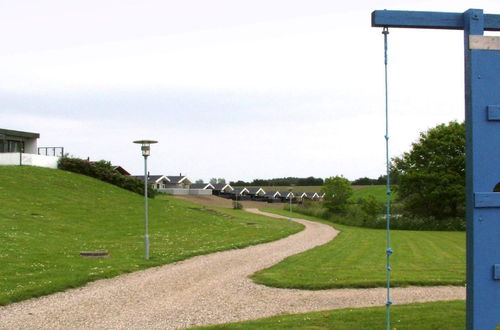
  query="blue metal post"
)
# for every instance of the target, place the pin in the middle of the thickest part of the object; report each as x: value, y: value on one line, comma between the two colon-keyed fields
x: 482, y: 98
x: 482, y: 90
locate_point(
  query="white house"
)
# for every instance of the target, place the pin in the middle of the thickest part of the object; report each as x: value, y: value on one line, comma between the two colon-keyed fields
x: 21, y: 148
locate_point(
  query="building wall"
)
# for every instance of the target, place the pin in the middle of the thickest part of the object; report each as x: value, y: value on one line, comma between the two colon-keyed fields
x: 182, y: 191
x: 30, y: 146
x: 28, y: 159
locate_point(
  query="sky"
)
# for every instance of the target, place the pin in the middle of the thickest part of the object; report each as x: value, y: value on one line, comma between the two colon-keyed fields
x: 229, y: 88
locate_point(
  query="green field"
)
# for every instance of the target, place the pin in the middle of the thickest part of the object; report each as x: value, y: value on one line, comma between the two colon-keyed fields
x: 379, y: 192
x: 356, y: 258
x: 426, y: 316
x: 48, y: 216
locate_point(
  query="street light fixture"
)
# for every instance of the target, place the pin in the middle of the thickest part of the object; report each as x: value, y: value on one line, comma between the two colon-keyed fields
x: 146, y: 152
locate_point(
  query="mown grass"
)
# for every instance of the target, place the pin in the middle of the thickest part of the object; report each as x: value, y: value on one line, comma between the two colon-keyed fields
x: 378, y: 191
x: 48, y: 216
x: 356, y: 259
x: 422, y: 316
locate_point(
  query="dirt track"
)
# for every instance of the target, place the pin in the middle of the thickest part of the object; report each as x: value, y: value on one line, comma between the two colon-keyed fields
x: 215, y: 201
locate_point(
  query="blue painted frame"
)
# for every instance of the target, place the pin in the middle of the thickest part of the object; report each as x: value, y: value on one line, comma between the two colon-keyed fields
x: 482, y: 113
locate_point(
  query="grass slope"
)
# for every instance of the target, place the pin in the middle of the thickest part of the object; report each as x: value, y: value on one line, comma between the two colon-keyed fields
x: 423, y: 316
x: 356, y: 258
x: 48, y: 216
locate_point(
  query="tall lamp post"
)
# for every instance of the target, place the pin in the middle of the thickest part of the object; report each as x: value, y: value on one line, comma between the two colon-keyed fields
x: 146, y: 152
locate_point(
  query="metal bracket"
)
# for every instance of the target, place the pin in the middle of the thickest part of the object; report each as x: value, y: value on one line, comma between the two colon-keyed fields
x: 493, y: 112
x: 486, y: 199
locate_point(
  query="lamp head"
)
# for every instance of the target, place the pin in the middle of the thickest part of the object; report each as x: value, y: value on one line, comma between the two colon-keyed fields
x: 145, y: 146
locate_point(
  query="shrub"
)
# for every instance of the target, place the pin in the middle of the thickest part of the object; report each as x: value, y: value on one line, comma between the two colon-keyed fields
x: 337, y: 192
x: 104, y: 171
x: 237, y: 205
x: 369, y: 213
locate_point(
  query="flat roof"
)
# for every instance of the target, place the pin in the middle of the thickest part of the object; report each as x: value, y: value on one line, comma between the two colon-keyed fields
x: 19, y: 133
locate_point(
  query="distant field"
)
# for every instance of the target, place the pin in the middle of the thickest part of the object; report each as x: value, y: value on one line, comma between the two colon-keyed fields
x: 48, y: 216
x: 378, y: 191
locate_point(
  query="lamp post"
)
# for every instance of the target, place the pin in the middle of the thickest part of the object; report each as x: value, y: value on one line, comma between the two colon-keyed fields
x: 146, y: 152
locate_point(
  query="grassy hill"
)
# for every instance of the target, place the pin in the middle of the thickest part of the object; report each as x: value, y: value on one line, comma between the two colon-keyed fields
x: 48, y: 216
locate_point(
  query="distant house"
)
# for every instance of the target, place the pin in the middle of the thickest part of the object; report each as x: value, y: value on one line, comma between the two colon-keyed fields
x: 299, y: 196
x: 286, y: 196
x: 18, y: 141
x: 222, y: 189
x: 157, y: 181
x: 256, y: 193
x: 179, y: 181
x: 201, y: 189
x: 201, y: 186
x: 240, y: 194
x: 21, y: 148
x: 316, y: 197
x: 313, y: 196
x: 273, y: 196
x: 121, y: 170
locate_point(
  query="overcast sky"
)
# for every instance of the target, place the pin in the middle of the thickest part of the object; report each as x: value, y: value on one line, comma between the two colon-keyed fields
x: 230, y: 88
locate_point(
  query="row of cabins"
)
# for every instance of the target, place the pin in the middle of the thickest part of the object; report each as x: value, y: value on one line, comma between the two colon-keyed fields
x: 181, y: 185
x: 259, y: 194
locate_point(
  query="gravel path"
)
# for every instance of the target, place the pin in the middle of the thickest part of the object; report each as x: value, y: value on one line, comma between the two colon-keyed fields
x: 203, y: 290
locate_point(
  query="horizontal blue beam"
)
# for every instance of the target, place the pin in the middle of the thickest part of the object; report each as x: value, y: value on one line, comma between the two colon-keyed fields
x: 428, y: 20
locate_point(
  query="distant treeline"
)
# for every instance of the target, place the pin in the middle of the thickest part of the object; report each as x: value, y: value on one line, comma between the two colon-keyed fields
x: 290, y: 181
x: 368, y: 182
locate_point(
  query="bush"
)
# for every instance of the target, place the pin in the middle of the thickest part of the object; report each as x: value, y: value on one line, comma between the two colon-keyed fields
x: 104, y: 171
x: 337, y: 192
x: 237, y: 205
x: 369, y: 213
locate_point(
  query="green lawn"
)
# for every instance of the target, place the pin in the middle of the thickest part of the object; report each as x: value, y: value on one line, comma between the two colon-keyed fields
x: 48, y: 216
x: 356, y: 258
x: 378, y: 191
x: 423, y: 316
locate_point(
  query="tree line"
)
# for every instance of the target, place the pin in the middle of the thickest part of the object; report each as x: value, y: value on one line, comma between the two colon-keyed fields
x: 289, y: 181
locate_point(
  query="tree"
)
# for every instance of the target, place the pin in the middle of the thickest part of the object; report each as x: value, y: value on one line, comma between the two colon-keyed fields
x: 432, y: 174
x: 337, y: 191
x: 221, y: 181
x: 364, y: 181
x: 213, y: 181
x: 239, y: 183
x: 199, y: 181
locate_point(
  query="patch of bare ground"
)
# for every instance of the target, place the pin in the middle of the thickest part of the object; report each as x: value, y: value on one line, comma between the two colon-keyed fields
x: 216, y: 201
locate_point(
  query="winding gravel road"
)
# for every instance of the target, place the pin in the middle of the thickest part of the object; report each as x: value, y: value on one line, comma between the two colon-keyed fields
x: 202, y: 290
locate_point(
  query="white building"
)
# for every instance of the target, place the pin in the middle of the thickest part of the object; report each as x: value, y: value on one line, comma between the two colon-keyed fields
x: 21, y: 148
